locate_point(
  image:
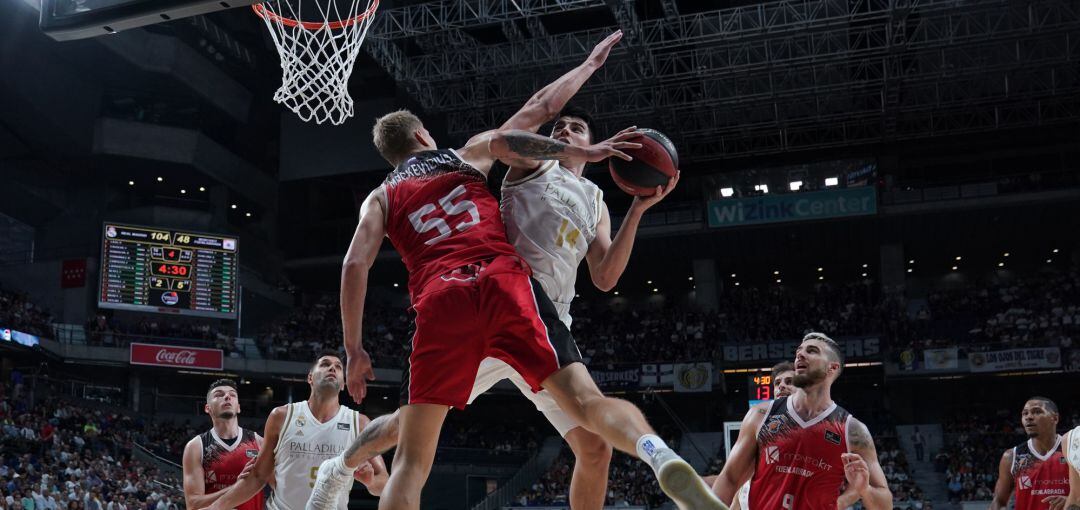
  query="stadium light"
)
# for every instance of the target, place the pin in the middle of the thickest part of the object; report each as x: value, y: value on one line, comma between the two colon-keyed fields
x: 954, y: 268
x: 395, y: 285
x: 202, y: 188
x: 234, y: 206
x: 912, y: 261
x: 691, y: 278
x: 616, y: 293
x: 778, y: 280
x: 832, y: 181
x: 1055, y: 250
x: 733, y: 275
x: 1006, y: 254
x: 959, y: 257
x: 247, y: 214
x: 656, y: 290
x: 160, y: 179
x: 820, y: 269
x: 1001, y: 264
x: 648, y: 282
x: 795, y: 185
x: 764, y: 188
x: 131, y: 183
x: 821, y: 278
x: 183, y: 191
x: 736, y: 284
x: 864, y: 275
x: 1049, y: 260
x: 865, y: 266
x: 909, y: 269
x: 776, y: 272
x: 727, y: 192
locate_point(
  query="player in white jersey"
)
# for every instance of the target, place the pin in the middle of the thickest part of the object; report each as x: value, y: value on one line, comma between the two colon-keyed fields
x: 299, y: 437
x: 554, y: 218
x: 1071, y: 443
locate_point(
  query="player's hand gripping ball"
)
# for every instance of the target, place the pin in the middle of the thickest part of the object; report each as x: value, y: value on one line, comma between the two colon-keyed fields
x: 654, y: 164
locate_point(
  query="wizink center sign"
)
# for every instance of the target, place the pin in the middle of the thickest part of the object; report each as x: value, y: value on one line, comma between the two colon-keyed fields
x: 817, y: 205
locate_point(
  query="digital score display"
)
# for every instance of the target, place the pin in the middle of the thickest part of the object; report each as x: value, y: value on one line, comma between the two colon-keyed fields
x: 760, y: 389
x: 169, y: 271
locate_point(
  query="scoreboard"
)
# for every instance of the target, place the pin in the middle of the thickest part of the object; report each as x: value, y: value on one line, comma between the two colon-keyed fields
x: 760, y: 388
x: 169, y: 271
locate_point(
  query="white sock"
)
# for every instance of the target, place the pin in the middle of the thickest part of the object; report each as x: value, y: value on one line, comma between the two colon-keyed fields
x: 648, y: 445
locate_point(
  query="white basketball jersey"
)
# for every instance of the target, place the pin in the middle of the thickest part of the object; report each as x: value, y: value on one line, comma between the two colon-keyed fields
x: 1074, y: 449
x: 303, y: 445
x: 744, y: 496
x: 551, y: 218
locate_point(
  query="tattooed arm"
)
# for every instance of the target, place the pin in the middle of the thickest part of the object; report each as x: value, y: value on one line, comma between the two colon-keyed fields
x: 862, y: 470
x: 1004, y: 487
x: 517, y: 147
x: 743, y: 456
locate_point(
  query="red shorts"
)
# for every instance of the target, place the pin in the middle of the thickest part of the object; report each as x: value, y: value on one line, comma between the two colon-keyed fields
x: 491, y: 309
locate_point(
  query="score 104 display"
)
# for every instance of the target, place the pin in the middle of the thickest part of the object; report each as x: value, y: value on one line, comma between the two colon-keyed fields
x: 760, y: 388
x: 170, y: 271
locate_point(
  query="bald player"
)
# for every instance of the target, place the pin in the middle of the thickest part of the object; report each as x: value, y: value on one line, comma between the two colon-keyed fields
x: 801, y: 449
x: 1036, y: 468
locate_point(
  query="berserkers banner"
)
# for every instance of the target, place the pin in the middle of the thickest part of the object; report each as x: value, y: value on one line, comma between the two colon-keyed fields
x: 174, y: 356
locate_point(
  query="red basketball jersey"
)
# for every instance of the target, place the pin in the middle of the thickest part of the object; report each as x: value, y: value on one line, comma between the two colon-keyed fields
x: 441, y: 216
x: 1037, y: 476
x: 222, y: 463
x: 799, y: 465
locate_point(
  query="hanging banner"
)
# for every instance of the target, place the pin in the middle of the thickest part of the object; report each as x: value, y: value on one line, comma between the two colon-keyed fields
x: 941, y: 359
x: 693, y: 377
x: 1015, y: 359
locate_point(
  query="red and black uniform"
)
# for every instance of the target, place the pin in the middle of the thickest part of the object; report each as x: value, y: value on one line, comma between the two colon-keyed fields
x: 223, y: 460
x: 472, y: 295
x: 799, y: 465
x: 1037, y: 476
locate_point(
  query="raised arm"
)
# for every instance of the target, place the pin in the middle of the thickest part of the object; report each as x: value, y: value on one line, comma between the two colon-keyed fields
x: 1004, y: 487
x: 247, y: 487
x: 547, y: 102
x: 354, y: 281
x: 608, y: 257
x: 740, y: 463
x: 862, y: 470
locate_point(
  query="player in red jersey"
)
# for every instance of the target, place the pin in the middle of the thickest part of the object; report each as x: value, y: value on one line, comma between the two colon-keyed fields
x: 472, y: 298
x: 801, y: 449
x: 1037, y: 467
x: 217, y: 458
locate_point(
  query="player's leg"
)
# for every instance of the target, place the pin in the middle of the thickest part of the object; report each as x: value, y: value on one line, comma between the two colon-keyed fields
x: 592, y: 455
x: 335, y: 476
x: 419, y: 436
x: 592, y: 458
x: 622, y: 424
x: 529, y: 337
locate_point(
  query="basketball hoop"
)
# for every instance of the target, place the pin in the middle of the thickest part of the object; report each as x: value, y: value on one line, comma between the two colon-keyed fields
x: 317, y: 55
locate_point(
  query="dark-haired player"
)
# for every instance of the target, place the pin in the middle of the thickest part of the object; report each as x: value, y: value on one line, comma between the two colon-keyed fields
x: 215, y: 459
x: 1036, y: 468
x: 299, y: 437
x: 473, y: 298
x: 801, y: 449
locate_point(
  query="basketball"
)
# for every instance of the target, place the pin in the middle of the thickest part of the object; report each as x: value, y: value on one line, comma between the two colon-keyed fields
x: 653, y: 164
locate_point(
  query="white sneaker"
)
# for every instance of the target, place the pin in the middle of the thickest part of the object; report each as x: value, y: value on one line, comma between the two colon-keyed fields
x: 332, y: 483
x: 679, y: 481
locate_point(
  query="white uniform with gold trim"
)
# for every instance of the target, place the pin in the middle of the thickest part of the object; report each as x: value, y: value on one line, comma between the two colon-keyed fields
x: 551, y: 218
x: 303, y: 445
x: 1073, y: 455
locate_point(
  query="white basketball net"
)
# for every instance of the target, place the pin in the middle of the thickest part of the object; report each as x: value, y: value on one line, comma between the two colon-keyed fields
x: 317, y: 57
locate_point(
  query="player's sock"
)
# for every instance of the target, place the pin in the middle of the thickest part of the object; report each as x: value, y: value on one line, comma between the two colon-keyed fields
x: 647, y: 447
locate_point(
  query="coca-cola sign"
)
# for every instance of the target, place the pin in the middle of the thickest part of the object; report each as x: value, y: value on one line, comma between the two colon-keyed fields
x: 174, y: 356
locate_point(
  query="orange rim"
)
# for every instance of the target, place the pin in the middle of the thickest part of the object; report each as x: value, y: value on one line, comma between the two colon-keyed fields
x: 265, y: 13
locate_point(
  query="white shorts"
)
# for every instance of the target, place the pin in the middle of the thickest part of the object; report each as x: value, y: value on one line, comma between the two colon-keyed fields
x: 493, y: 370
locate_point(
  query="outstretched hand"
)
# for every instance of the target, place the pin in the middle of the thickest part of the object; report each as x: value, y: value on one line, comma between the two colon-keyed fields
x: 357, y: 374
x: 613, y: 147
x: 600, y: 53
